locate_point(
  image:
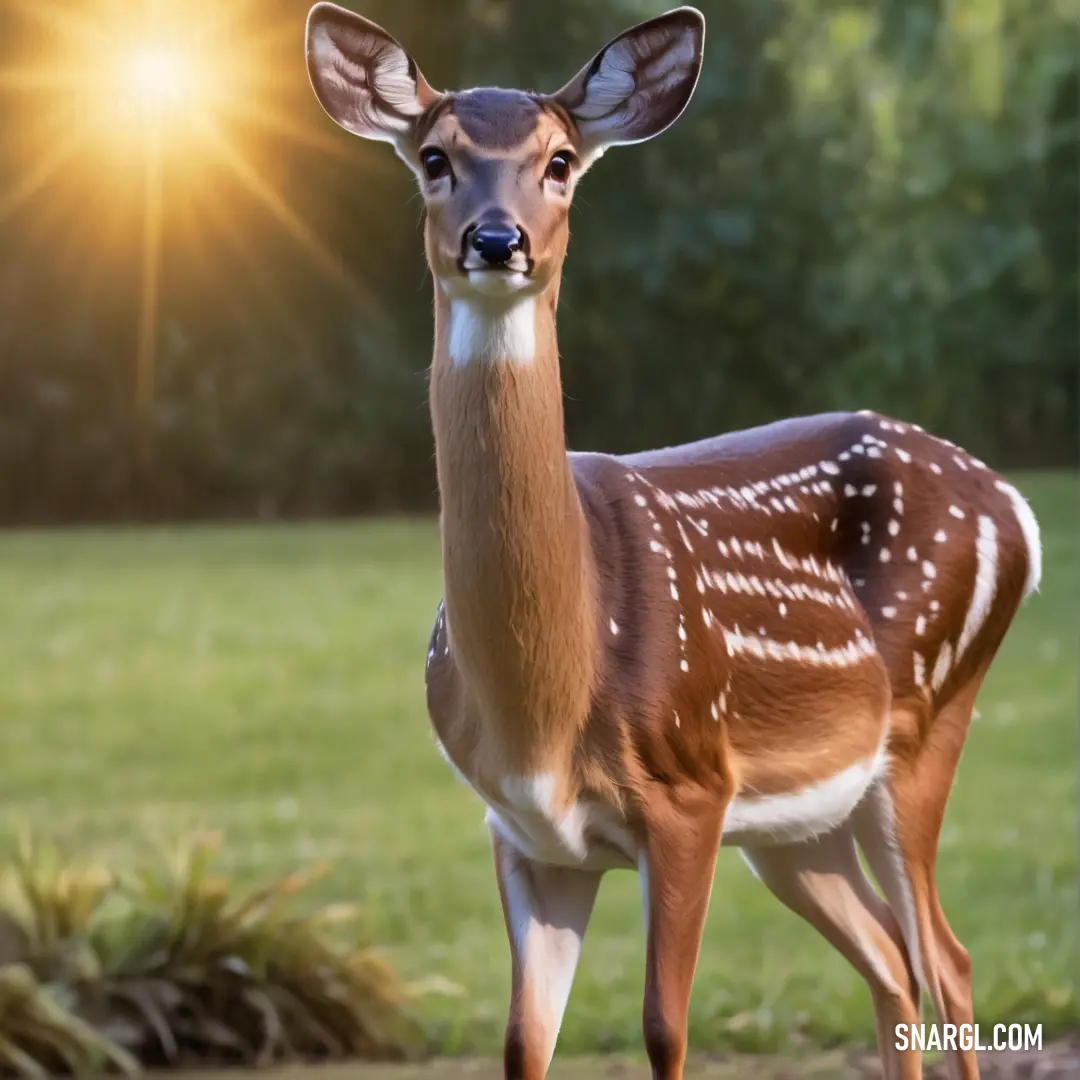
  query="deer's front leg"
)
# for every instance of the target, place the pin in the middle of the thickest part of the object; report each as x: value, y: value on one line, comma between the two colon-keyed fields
x: 676, y: 871
x: 547, y: 909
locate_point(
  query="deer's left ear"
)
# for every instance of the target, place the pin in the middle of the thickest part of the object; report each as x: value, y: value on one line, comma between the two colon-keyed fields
x: 639, y: 83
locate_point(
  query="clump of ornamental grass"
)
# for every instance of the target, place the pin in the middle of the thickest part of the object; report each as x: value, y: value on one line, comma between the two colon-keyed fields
x: 169, y: 966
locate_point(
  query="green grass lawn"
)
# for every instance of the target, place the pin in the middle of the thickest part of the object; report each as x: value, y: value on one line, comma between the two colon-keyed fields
x: 269, y: 681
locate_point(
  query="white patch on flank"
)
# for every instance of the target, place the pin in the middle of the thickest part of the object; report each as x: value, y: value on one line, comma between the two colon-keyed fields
x: 1030, y: 528
x: 985, y: 588
x: 956, y: 512
x: 614, y: 626
x: 940, y: 536
x: 492, y: 332
x: 802, y: 814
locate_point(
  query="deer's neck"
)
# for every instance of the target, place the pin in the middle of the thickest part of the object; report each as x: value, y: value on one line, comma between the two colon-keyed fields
x: 516, y: 559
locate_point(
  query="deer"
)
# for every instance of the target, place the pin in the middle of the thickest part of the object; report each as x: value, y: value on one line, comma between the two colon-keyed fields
x: 770, y: 640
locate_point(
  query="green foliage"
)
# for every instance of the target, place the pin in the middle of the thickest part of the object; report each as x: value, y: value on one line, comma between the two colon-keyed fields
x: 169, y: 966
x: 867, y: 204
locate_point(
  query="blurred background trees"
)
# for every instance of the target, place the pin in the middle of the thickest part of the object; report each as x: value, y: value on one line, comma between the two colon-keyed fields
x: 869, y: 203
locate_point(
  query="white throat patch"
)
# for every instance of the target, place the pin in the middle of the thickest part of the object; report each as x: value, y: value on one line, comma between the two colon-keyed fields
x: 480, y: 331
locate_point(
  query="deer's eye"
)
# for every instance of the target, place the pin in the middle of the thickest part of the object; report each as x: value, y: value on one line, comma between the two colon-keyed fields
x: 435, y: 164
x: 559, y: 166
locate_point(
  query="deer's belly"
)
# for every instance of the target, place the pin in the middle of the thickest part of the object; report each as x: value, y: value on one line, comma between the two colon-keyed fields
x: 799, y: 815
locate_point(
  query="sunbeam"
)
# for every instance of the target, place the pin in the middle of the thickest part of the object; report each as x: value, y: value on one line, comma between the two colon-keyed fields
x: 40, y: 174
x: 140, y: 110
x: 146, y: 354
x: 310, y: 243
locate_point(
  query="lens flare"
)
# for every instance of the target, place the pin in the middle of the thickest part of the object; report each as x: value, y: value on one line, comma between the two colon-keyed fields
x: 158, y: 79
x: 158, y: 114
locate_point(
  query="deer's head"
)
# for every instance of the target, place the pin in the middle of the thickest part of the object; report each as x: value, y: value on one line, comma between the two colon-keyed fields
x: 498, y: 168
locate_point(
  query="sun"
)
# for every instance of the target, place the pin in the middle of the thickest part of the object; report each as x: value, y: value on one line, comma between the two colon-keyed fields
x: 157, y: 112
x: 159, y: 79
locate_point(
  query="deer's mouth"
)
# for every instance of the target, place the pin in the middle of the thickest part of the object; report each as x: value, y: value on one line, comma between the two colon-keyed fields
x: 501, y: 280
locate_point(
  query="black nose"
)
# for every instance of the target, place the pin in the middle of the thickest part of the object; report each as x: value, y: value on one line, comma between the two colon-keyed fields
x: 496, y: 243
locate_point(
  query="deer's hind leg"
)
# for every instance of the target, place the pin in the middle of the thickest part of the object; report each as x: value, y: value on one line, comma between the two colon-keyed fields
x: 898, y: 826
x: 822, y: 881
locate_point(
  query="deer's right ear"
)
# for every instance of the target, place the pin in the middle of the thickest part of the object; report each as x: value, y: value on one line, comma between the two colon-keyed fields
x: 362, y: 77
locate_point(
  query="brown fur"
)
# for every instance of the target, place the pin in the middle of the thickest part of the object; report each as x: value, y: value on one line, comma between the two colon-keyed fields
x: 652, y: 641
